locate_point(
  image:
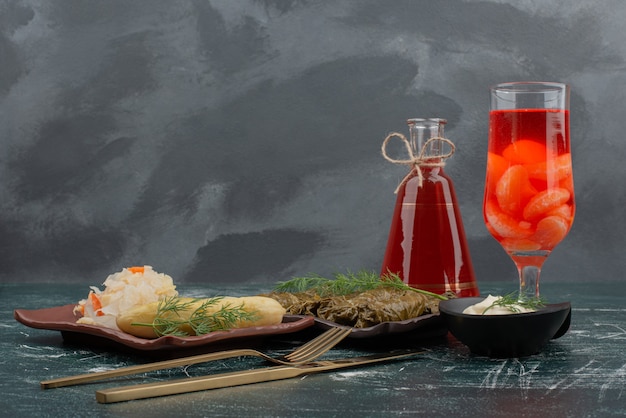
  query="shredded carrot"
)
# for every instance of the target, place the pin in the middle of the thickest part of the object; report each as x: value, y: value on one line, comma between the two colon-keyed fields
x: 136, y: 269
x: 95, y: 302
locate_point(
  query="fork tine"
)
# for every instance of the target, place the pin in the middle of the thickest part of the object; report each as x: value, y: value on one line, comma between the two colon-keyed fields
x: 314, y: 351
x: 319, y: 346
x: 329, y: 333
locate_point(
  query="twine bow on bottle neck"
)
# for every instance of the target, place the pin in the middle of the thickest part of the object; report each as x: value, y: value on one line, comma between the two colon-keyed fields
x: 419, y: 161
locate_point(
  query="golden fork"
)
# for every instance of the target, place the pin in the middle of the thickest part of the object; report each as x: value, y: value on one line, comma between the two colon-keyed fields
x: 302, y: 355
x: 244, y: 377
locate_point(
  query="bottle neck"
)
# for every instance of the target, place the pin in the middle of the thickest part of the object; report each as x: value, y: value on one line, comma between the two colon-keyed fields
x: 422, y: 137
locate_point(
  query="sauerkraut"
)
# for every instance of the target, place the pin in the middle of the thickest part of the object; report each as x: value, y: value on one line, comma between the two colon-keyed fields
x: 131, y: 287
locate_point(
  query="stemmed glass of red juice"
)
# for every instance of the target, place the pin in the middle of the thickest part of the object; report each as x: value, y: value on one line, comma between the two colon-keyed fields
x: 528, y: 203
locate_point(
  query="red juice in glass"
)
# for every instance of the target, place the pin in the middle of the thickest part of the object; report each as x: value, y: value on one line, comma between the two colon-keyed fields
x: 529, y: 190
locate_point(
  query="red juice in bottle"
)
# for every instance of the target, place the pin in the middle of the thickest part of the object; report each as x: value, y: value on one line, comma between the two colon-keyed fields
x: 427, y: 246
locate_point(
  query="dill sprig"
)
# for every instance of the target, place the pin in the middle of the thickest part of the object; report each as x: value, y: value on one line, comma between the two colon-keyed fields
x: 343, y: 284
x: 169, y: 318
x: 514, y: 302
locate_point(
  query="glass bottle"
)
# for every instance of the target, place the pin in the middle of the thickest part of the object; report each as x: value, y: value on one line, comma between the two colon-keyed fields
x: 427, y: 247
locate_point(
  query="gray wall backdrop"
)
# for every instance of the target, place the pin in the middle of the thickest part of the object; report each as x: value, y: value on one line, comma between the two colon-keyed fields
x: 232, y: 141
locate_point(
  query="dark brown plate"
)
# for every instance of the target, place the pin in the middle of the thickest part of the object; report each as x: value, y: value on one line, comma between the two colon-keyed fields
x: 62, y: 318
x: 429, y: 324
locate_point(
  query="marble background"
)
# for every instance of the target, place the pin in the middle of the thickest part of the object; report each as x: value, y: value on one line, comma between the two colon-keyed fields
x: 232, y: 141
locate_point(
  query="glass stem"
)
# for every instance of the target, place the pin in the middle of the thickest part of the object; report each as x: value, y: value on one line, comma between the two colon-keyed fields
x: 529, y: 268
x: 529, y: 282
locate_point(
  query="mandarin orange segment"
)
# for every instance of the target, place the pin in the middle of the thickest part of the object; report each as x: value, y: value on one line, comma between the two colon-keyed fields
x: 568, y: 184
x: 550, y: 231
x: 504, y: 225
x: 496, y: 166
x: 553, y: 170
x: 525, y: 151
x: 564, y: 211
x: 514, y: 190
x: 544, y: 202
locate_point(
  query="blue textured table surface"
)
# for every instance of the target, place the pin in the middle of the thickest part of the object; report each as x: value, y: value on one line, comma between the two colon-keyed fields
x: 582, y: 374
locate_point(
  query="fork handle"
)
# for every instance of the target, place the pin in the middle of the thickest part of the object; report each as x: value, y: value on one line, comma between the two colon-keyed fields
x: 142, y: 368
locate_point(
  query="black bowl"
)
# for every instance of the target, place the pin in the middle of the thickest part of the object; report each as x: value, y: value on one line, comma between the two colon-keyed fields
x: 505, y: 336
